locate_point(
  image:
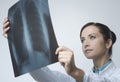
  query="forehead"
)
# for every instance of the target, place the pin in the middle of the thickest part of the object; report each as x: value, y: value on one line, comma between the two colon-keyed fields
x: 90, y: 30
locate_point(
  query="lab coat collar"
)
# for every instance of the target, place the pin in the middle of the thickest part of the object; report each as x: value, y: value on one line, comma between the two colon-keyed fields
x: 102, y: 67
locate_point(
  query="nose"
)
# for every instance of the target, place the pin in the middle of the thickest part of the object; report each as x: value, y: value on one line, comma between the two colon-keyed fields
x: 86, y: 43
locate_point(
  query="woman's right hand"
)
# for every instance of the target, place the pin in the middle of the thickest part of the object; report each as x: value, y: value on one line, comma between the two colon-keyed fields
x: 6, y: 27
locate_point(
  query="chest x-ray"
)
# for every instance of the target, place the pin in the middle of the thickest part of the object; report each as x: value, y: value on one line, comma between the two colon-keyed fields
x: 31, y: 38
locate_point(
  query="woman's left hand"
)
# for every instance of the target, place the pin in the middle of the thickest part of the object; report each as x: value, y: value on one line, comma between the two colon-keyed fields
x: 66, y: 58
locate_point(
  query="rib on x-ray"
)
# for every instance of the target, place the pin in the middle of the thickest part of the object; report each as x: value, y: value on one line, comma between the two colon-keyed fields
x: 31, y: 38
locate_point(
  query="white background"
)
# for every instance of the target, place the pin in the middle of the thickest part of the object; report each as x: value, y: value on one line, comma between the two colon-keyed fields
x: 68, y: 16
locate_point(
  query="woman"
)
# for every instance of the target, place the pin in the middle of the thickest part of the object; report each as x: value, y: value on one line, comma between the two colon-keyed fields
x: 97, y: 41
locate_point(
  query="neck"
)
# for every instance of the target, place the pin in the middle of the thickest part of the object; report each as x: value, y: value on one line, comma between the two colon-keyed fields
x: 98, y: 62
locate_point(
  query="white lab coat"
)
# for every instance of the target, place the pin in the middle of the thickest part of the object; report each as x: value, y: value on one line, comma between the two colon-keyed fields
x: 52, y: 73
x: 56, y: 73
x: 110, y: 74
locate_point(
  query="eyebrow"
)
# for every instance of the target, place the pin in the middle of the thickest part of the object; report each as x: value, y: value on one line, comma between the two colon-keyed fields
x: 88, y: 35
x: 91, y: 34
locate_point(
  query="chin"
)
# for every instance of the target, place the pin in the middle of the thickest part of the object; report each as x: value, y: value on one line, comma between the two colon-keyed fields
x: 89, y: 57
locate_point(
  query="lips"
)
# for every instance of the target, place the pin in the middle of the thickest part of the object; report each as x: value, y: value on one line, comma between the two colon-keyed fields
x: 88, y: 51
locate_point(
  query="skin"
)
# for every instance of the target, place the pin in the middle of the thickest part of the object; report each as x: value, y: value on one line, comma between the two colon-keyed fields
x: 6, y: 27
x: 93, y: 46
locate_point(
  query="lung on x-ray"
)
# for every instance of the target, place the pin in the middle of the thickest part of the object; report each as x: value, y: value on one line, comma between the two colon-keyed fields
x: 31, y: 38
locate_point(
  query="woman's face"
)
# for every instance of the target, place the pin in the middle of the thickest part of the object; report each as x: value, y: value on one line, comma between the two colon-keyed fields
x: 93, y: 44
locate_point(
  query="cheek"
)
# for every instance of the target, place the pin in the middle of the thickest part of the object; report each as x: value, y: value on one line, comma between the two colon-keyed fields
x: 82, y: 48
x: 98, y: 46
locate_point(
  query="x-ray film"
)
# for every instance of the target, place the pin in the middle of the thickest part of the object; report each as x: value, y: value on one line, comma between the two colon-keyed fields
x: 31, y: 38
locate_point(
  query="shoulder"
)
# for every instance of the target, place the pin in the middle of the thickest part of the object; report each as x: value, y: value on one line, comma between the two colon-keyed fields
x: 113, y: 70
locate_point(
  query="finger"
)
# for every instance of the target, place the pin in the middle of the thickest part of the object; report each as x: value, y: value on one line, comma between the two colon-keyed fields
x: 5, y: 35
x: 58, y: 50
x: 5, y: 20
x: 5, y: 25
x: 63, y: 55
x: 6, y: 30
x: 61, y: 48
x: 62, y: 61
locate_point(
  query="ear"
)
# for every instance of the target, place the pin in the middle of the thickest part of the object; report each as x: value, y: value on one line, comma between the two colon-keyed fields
x: 108, y: 43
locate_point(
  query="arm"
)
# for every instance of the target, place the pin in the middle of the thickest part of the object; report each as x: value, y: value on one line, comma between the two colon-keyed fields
x: 66, y: 58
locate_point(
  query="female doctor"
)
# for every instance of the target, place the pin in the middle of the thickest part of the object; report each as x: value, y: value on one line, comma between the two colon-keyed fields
x: 97, y: 41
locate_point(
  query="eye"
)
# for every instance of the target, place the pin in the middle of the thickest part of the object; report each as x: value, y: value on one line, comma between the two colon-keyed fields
x: 92, y: 37
x: 82, y: 40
